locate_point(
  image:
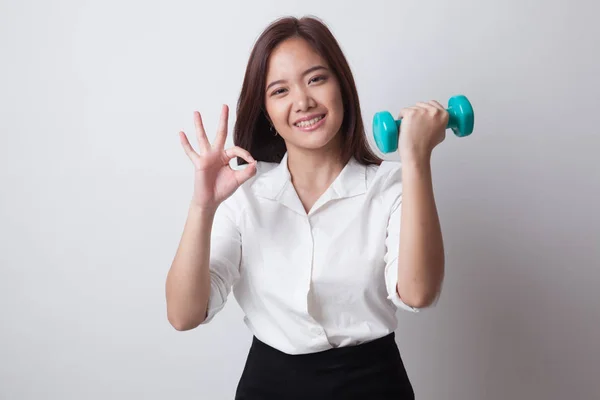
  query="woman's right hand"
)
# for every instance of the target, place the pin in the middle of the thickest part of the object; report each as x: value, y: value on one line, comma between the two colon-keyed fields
x: 214, y: 179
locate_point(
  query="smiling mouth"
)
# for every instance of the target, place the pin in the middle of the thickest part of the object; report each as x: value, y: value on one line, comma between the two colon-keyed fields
x: 309, y: 123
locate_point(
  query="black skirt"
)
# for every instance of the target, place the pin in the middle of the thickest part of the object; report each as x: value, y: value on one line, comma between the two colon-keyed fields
x: 372, y: 371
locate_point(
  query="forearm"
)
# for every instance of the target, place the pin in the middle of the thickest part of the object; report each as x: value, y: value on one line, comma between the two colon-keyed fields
x: 421, y: 251
x: 188, y: 280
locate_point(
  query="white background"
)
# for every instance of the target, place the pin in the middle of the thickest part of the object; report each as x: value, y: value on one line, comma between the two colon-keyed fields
x: 95, y: 188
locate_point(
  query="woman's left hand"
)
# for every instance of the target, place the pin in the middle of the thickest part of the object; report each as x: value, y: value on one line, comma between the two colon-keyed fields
x: 423, y: 127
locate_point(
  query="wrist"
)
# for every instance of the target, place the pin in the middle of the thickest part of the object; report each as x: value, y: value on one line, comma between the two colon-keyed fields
x: 415, y: 159
x: 201, y: 212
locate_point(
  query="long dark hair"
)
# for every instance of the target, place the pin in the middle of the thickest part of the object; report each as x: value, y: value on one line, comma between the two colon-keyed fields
x: 252, y: 128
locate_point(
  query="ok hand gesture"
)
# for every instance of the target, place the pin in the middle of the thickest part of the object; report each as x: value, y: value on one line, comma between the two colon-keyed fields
x: 214, y: 179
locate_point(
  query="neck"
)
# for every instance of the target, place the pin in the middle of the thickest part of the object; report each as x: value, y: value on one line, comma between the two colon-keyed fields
x: 314, y: 171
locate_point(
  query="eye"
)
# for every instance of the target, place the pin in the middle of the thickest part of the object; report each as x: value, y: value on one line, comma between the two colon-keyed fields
x: 278, y: 91
x: 318, y: 78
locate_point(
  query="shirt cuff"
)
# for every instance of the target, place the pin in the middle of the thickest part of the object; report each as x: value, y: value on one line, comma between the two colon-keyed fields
x: 216, y: 302
x: 395, y: 298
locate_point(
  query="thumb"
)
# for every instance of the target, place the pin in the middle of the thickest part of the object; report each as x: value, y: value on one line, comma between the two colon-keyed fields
x: 407, y: 112
x: 244, y: 174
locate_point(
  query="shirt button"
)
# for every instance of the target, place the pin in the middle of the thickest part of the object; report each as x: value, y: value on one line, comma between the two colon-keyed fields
x: 317, y: 331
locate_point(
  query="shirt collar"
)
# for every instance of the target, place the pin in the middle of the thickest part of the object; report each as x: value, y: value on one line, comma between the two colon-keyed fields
x: 276, y: 184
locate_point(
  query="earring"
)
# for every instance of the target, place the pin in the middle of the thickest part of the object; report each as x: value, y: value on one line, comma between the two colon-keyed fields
x: 273, y: 130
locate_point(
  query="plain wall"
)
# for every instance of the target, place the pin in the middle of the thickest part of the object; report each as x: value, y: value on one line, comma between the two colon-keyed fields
x: 95, y: 189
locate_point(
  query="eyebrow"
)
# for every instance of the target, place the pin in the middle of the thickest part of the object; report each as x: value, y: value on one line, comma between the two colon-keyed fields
x: 308, y: 71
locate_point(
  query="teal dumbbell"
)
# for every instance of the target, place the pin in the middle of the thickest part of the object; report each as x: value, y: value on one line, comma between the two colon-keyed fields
x: 386, y: 128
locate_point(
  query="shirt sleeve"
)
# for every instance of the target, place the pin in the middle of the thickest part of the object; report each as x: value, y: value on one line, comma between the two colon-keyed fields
x: 225, y: 257
x: 392, y: 242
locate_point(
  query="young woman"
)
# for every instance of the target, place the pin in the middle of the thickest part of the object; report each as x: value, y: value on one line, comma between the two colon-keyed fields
x: 319, y: 239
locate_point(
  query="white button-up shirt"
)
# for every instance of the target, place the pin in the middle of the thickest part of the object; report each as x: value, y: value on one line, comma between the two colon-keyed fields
x: 311, y: 281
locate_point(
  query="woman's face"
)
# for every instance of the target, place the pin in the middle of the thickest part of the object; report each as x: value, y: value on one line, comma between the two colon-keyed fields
x: 303, y: 97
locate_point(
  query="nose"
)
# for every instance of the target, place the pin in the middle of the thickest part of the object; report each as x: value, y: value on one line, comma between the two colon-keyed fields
x: 303, y: 101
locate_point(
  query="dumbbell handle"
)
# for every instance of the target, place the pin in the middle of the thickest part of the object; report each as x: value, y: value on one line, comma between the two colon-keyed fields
x: 452, y: 120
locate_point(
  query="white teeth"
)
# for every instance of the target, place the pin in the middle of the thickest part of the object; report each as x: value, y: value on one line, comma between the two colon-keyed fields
x: 305, y: 124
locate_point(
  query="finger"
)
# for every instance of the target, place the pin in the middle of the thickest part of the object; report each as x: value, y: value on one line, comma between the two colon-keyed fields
x: 203, y: 142
x: 441, y: 108
x: 437, y: 105
x: 426, y: 106
x: 405, y: 112
x: 244, y: 174
x: 237, y: 151
x: 222, y: 129
x: 187, y: 147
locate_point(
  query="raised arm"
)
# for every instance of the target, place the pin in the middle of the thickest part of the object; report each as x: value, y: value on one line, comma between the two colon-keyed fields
x: 188, y: 283
x: 421, y: 249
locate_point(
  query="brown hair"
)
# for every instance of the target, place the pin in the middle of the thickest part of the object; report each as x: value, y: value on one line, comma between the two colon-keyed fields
x: 252, y: 128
